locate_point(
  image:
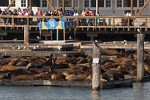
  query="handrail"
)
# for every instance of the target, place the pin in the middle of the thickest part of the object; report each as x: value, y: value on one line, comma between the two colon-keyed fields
x: 88, y: 21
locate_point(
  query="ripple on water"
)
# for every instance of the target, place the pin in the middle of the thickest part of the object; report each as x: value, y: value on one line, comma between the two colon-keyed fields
x: 138, y: 92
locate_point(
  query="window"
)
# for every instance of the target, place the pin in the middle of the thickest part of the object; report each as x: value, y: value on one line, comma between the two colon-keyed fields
x: 75, y: 3
x: 101, y: 3
x: 68, y: 3
x: 93, y: 3
x: 35, y: 3
x: 141, y: 3
x: 108, y: 3
x: 126, y: 3
x: 119, y: 3
x: 44, y: 3
x: 86, y: 3
x: 23, y: 3
x: 134, y: 3
x: 54, y: 3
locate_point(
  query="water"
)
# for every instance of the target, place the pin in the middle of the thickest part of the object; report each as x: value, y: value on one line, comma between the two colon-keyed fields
x: 138, y: 92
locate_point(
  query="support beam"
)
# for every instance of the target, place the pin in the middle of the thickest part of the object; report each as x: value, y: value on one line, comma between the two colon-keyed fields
x: 140, y: 57
x: 26, y: 34
x: 140, y: 11
x: 96, y: 68
x: 63, y: 5
x: 50, y: 4
x: 131, y: 7
x: 10, y: 4
x: 96, y: 7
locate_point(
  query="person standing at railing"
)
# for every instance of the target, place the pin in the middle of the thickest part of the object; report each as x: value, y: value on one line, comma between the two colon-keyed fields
x: 15, y: 13
x: 70, y: 19
x: 9, y: 19
x: 83, y: 21
x: 76, y: 19
x: 30, y: 13
x: 39, y: 13
x: 91, y: 21
x: 4, y: 19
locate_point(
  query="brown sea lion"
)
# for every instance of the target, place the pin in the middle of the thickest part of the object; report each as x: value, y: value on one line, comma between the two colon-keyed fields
x: 9, y: 68
x: 57, y: 76
x: 43, y: 76
x: 23, y: 77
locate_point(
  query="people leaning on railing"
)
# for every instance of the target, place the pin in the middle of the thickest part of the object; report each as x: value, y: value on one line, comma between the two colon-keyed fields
x: 71, y: 22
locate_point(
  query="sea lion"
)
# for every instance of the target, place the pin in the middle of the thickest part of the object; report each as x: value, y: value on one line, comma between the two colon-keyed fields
x: 9, y: 68
x: 23, y: 77
x: 111, y: 75
x: 57, y: 76
x: 43, y: 76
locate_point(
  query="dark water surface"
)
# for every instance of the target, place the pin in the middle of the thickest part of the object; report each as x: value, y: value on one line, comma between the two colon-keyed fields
x: 140, y: 91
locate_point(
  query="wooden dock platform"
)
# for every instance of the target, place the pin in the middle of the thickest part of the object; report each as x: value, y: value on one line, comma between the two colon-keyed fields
x: 112, y: 84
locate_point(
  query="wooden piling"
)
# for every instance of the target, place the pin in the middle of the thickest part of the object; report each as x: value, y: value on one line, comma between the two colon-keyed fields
x: 96, y: 68
x: 26, y: 34
x: 140, y: 57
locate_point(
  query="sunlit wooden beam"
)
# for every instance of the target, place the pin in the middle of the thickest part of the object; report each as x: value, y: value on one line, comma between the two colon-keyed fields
x: 131, y: 7
x: 63, y: 5
x: 10, y: 4
x: 145, y: 4
x: 50, y: 4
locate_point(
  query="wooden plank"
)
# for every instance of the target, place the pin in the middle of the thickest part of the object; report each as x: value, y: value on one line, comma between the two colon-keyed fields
x: 131, y: 7
x: 63, y: 5
x: 12, y: 1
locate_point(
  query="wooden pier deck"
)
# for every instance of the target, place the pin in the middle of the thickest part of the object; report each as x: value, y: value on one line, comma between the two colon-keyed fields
x: 106, y: 22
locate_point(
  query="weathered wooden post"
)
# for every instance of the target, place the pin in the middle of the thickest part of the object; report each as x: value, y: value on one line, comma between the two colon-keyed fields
x: 26, y: 32
x: 96, y: 67
x: 140, y: 57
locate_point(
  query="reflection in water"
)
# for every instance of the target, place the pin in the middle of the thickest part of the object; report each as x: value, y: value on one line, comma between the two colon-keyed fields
x: 95, y: 95
x: 139, y: 95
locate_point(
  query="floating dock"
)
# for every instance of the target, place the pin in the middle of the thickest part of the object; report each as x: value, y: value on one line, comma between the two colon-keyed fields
x: 112, y: 84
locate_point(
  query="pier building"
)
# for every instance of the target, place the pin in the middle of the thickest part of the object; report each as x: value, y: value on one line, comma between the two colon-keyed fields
x: 105, y: 7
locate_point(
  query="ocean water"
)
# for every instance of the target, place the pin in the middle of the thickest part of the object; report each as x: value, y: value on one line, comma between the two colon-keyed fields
x: 140, y: 91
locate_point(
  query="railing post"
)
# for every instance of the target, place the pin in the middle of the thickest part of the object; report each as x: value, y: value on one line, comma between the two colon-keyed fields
x: 140, y: 57
x: 13, y: 21
x: 113, y: 22
x: 95, y: 22
x: 26, y: 32
x: 128, y: 23
x: 96, y: 68
x: 145, y: 23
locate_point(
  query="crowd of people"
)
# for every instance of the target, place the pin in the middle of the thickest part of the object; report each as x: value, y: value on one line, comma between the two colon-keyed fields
x: 58, y: 12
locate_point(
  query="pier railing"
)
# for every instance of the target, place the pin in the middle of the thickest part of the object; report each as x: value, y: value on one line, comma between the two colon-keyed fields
x: 104, y: 22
